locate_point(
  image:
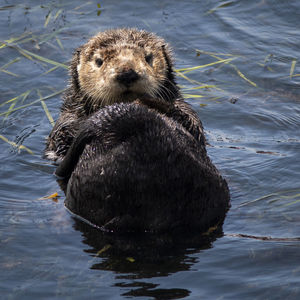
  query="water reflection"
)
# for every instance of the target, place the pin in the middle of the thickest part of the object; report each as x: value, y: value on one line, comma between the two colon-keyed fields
x: 134, y: 258
x: 150, y: 290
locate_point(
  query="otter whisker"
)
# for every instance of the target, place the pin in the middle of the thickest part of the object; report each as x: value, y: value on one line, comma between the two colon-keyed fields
x: 163, y: 91
x: 170, y: 93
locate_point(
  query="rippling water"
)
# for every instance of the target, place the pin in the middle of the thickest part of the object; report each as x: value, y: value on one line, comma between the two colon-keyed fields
x: 251, y: 113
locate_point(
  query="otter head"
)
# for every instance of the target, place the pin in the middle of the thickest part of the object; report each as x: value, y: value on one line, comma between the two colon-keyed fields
x: 122, y: 65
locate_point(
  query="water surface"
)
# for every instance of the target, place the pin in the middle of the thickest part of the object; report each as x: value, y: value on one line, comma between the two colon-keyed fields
x: 248, y: 99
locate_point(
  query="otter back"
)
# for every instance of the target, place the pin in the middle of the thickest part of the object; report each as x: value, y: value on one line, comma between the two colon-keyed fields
x: 131, y: 169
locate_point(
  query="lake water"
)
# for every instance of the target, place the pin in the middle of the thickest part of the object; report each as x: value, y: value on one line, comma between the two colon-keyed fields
x: 248, y: 98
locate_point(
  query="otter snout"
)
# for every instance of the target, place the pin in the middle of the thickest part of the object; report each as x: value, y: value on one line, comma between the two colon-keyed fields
x: 127, y: 77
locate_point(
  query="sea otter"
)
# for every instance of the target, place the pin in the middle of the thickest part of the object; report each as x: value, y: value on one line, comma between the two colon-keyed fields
x: 132, y: 152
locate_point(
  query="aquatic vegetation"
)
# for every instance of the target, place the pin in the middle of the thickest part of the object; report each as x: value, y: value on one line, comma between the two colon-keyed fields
x: 294, y: 61
x: 47, y: 112
x: 222, y: 5
x: 285, y: 198
x: 10, y: 110
x: 19, y: 147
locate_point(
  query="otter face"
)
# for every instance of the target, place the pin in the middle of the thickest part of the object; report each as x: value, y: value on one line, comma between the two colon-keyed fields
x: 122, y: 65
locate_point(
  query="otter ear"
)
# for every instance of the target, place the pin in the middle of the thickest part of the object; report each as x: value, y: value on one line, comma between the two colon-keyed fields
x: 167, y: 55
x: 170, y: 83
x: 75, y: 63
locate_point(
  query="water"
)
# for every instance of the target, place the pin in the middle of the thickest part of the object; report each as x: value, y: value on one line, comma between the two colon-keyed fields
x: 251, y: 116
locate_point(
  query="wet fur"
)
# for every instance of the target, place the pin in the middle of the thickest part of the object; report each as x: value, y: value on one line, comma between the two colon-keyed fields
x: 137, y: 161
x: 133, y: 169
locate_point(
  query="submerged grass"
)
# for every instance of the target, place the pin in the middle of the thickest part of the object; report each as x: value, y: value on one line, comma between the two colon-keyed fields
x: 217, y: 56
x: 59, y: 43
x: 187, y: 70
x: 48, y: 17
x: 13, y: 40
x: 191, y: 96
x: 23, y: 97
x: 58, y: 13
x: 5, y: 66
x: 2, y: 69
x: 10, y: 73
x: 284, y: 196
x: 31, y: 55
x: 293, y: 67
x: 31, y: 103
x: 222, y: 5
x: 48, y: 114
x: 219, y: 61
x: 19, y: 147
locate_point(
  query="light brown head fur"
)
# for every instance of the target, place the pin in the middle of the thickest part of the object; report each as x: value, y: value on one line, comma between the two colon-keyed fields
x: 122, y: 65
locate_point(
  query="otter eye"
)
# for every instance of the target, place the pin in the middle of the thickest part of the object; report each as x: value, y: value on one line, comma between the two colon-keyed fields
x: 149, y: 58
x: 99, y: 62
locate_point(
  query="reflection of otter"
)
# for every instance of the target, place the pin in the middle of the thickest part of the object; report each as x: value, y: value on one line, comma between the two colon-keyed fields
x: 136, y: 157
x: 135, y: 259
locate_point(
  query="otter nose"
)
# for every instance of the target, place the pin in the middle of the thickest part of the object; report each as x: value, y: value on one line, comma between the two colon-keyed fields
x: 128, y: 77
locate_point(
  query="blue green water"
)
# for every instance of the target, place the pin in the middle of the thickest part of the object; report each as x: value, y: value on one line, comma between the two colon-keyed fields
x: 248, y: 99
